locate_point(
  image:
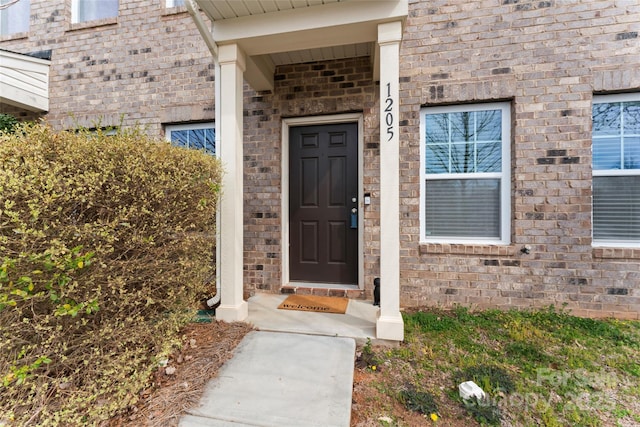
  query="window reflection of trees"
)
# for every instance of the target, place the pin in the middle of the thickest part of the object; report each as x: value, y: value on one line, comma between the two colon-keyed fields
x: 616, y: 135
x: 616, y: 147
x: 464, y: 142
x: 468, y: 142
x: 198, y: 139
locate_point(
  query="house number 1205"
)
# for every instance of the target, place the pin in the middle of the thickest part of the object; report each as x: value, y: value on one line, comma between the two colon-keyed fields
x: 388, y: 118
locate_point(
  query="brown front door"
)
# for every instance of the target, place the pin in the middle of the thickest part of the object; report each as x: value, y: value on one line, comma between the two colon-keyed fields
x: 323, y: 177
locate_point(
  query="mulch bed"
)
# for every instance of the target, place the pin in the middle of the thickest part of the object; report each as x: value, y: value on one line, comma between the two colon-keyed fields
x: 206, y: 347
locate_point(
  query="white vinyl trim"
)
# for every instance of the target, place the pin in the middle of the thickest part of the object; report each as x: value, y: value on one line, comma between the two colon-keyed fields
x: 24, y: 81
x: 75, y: 13
x: 168, y: 129
x: 605, y: 99
x: 505, y: 174
x: 191, y: 126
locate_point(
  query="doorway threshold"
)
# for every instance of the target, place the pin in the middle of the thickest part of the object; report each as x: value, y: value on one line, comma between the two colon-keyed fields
x: 324, y: 289
x: 323, y: 285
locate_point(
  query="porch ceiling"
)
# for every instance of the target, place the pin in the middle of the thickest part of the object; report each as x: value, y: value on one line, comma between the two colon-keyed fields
x: 228, y: 9
x: 279, y: 32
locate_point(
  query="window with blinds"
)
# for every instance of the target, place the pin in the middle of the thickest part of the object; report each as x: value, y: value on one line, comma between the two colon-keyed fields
x: 616, y: 169
x: 465, y: 179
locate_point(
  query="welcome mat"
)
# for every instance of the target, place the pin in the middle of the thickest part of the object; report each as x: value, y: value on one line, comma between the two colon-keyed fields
x: 315, y: 303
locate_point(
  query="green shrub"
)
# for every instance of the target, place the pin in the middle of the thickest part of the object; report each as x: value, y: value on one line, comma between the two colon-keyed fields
x: 7, y: 123
x: 105, y: 244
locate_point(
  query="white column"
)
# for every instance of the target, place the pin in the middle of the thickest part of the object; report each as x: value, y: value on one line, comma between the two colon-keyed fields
x: 389, y: 325
x: 232, y: 65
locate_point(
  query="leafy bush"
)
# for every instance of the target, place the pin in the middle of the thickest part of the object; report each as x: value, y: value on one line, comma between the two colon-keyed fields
x: 7, y: 123
x: 105, y: 244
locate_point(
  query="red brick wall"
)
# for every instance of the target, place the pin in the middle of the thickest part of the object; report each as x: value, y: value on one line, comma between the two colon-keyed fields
x: 147, y: 67
x: 547, y: 58
x: 310, y: 89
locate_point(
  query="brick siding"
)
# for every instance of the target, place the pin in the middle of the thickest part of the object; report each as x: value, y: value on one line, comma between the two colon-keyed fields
x: 547, y: 58
x: 310, y: 89
x: 146, y: 67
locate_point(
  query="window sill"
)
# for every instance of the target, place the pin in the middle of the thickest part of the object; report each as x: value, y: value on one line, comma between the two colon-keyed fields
x: 616, y: 253
x: 93, y: 24
x: 467, y: 249
x: 14, y: 36
x: 169, y: 11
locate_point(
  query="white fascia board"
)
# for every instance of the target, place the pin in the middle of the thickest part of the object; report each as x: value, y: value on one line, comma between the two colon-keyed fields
x: 297, y: 29
x: 259, y: 72
x: 309, y: 39
x: 31, y: 82
x: 24, y: 81
x: 24, y: 62
x: 23, y: 99
x: 375, y: 62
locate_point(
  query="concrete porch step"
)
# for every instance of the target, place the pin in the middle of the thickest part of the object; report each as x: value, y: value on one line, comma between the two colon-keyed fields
x: 325, y: 291
x: 359, y: 322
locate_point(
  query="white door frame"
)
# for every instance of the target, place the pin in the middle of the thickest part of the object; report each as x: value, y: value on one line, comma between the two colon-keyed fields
x: 320, y: 120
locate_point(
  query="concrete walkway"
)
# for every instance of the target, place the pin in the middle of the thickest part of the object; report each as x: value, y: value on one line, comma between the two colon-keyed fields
x: 296, y: 370
x: 280, y: 379
x: 359, y: 322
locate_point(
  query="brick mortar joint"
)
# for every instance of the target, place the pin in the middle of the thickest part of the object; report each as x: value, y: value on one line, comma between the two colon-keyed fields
x: 467, y: 249
x: 627, y: 254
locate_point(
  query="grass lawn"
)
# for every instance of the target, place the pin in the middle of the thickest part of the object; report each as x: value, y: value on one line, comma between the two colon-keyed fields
x: 538, y: 368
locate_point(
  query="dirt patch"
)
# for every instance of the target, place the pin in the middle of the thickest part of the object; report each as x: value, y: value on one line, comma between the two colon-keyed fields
x: 381, y: 376
x: 170, y: 396
x: 206, y: 347
x: 370, y: 406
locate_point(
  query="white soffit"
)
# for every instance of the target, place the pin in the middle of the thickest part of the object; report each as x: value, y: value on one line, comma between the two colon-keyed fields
x: 279, y: 32
x: 228, y: 9
x: 322, y: 54
x: 24, y: 81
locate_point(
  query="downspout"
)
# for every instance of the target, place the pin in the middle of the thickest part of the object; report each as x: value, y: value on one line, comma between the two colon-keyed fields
x: 207, y: 35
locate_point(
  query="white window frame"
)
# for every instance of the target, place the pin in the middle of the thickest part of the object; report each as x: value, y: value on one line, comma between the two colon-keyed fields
x: 504, y: 175
x: 172, y: 3
x: 17, y: 7
x: 192, y: 126
x: 605, y: 99
x: 75, y: 13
